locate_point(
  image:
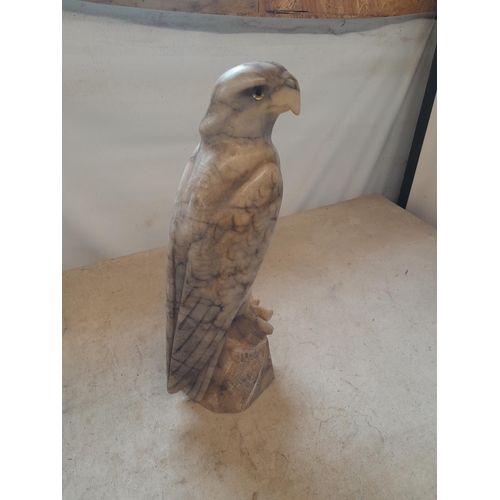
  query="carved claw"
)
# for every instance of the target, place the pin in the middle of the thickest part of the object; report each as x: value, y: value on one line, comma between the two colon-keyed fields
x: 261, y: 316
x: 265, y: 314
x: 266, y: 327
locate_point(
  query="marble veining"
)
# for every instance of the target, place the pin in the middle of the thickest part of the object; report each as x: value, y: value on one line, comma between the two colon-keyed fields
x: 223, y: 218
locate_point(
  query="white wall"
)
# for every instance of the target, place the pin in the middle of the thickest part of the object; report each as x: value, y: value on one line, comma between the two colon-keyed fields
x: 422, y: 201
x: 135, y: 91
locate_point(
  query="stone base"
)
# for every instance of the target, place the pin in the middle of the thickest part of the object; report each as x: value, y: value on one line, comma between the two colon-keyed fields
x: 243, y: 372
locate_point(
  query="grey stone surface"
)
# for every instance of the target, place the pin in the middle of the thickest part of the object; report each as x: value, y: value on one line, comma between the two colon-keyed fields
x: 351, y: 413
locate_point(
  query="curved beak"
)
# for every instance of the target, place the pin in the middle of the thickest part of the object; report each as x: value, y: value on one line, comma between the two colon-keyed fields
x: 287, y: 97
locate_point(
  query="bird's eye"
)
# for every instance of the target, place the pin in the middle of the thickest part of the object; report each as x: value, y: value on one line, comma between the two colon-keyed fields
x: 257, y: 94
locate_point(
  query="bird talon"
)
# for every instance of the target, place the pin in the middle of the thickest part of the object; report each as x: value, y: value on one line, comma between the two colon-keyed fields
x: 266, y: 327
x: 262, y: 312
x: 260, y: 316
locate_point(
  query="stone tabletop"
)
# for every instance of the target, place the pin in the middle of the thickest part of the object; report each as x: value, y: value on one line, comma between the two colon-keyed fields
x: 350, y: 415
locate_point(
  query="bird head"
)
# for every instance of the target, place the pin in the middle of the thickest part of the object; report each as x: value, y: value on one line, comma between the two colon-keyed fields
x: 248, y: 99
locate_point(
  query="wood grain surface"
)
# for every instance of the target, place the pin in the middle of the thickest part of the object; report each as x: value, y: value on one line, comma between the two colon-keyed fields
x: 322, y: 9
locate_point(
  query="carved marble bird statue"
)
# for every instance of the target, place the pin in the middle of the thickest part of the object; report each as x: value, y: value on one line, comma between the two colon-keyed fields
x: 224, y: 215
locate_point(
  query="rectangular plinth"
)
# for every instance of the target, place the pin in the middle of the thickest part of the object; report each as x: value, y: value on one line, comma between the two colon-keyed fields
x: 351, y: 413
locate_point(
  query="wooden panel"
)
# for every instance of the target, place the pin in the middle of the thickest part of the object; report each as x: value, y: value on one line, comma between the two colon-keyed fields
x: 348, y: 8
x: 323, y: 9
x: 231, y: 7
x: 286, y: 6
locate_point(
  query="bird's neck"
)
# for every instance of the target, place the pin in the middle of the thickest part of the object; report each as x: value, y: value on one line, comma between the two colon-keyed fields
x: 222, y: 125
x: 231, y: 144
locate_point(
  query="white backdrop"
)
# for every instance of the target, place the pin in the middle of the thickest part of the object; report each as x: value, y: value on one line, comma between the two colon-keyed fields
x: 135, y: 89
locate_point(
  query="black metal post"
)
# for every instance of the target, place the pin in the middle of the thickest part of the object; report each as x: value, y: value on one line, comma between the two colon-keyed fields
x: 418, y: 137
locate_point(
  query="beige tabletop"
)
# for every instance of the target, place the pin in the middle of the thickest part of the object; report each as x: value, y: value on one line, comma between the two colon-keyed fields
x: 350, y: 415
